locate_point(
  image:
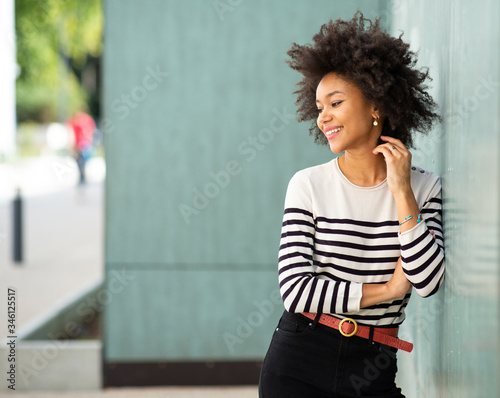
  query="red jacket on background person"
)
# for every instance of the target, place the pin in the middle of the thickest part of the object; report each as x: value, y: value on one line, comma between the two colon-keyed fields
x: 83, y: 126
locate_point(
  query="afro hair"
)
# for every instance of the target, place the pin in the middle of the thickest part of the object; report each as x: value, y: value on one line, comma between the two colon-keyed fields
x: 380, y: 65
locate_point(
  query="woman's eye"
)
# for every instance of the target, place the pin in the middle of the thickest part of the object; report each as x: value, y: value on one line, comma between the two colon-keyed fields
x: 334, y: 104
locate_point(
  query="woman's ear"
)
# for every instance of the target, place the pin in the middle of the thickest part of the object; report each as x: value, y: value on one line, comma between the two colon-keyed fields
x: 375, y: 112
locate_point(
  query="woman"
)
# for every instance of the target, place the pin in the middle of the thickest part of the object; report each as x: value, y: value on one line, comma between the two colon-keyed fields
x: 361, y: 230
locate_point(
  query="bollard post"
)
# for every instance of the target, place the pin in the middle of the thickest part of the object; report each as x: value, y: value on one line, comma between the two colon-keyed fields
x: 18, y: 227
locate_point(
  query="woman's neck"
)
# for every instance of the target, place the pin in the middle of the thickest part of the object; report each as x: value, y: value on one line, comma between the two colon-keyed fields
x: 365, y: 170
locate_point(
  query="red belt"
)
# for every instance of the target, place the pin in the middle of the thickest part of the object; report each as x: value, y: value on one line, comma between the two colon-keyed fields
x: 348, y: 327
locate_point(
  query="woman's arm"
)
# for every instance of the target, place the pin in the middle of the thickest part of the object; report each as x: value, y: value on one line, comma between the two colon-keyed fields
x: 422, y: 249
x: 300, y: 288
x: 422, y: 253
x: 396, y: 287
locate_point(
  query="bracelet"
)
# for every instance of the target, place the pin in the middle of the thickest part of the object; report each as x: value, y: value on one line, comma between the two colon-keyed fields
x: 409, y: 218
x: 406, y: 219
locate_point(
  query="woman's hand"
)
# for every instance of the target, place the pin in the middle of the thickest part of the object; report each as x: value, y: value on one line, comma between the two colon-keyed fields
x: 375, y: 293
x: 398, y: 161
x: 398, y: 285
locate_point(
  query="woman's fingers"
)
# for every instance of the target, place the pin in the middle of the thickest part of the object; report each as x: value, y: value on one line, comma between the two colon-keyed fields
x: 394, y: 142
x: 388, y: 150
x: 398, y: 161
x: 383, y: 150
x: 395, y: 148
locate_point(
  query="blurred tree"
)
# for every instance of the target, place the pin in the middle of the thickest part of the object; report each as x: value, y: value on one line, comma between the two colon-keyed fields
x: 59, y: 43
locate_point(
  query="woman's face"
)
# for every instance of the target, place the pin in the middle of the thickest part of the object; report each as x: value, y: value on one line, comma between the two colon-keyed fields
x: 344, y: 116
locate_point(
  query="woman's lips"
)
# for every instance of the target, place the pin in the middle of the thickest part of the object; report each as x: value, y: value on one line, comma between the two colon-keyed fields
x: 332, y: 133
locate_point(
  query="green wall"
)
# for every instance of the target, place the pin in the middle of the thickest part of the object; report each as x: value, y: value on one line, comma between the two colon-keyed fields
x: 199, y: 119
x: 201, y: 141
x: 456, y: 333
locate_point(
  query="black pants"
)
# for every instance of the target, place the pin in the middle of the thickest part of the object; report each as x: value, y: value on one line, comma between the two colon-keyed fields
x: 309, y: 360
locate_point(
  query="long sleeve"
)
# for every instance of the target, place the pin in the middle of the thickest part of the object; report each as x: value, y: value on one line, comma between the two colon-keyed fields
x: 301, y: 288
x: 422, y: 254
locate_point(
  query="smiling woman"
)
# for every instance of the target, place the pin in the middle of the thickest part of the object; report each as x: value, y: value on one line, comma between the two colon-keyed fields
x: 380, y: 66
x: 343, y: 112
x: 360, y: 232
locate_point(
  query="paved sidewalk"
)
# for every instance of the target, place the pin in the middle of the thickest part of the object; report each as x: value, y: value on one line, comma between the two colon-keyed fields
x: 46, y: 174
x: 63, y: 235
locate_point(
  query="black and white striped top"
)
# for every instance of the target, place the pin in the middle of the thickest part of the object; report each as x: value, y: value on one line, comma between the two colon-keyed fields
x: 337, y: 236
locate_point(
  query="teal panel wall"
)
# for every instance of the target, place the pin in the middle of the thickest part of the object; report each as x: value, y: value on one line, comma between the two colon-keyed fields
x: 456, y: 333
x: 193, y: 314
x: 197, y: 101
x: 199, y: 113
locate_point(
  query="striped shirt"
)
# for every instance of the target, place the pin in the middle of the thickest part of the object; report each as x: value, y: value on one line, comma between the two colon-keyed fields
x: 336, y: 236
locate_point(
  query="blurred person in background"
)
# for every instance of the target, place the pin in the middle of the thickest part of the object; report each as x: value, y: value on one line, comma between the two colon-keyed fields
x: 83, y: 127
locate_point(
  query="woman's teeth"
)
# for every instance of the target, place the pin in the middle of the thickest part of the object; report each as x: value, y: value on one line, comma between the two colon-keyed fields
x: 331, y: 133
x: 335, y: 130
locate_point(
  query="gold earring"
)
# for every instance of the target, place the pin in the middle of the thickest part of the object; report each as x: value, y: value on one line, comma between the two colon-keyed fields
x: 375, y: 123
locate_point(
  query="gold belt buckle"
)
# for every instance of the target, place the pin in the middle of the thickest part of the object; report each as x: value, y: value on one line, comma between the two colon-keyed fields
x: 351, y: 321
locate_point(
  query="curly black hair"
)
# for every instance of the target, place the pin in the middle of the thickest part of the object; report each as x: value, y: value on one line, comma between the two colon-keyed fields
x: 380, y: 65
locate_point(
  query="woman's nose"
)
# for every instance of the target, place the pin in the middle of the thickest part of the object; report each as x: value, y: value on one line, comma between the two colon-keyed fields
x: 324, y: 117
